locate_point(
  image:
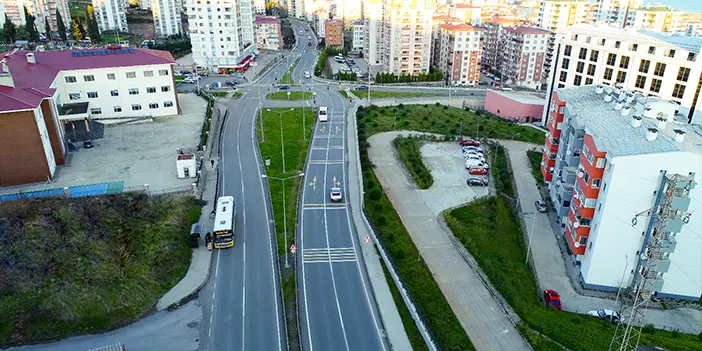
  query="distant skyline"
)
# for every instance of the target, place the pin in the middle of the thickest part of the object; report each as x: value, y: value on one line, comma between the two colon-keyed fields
x: 692, y: 6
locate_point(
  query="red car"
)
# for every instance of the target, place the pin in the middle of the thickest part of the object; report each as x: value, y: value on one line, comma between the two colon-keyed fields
x: 552, y: 299
x: 469, y: 142
x: 477, y: 171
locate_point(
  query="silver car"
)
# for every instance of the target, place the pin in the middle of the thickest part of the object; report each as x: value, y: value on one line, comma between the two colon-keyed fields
x: 335, y: 194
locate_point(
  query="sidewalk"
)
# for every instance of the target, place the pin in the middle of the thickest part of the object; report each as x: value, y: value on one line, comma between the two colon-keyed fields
x: 548, y: 261
x: 481, y: 316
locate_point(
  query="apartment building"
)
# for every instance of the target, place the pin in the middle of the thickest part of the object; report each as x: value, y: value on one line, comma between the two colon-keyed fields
x: 655, y: 18
x: 406, y: 48
x: 492, y: 40
x: 110, y: 15
x: 436, y: 38
x: 519, y: 52
x: 358, y: 30
x: 167, y: 19
x: 665, y: 66
x: 460, y: 50
x: 41, y: 9
x: 616, y: 11
x: 222, y: 34
x: 259, y: 7
x: 268, y: 35
x: 374, y: 36
x: 45, y: 93
x: 466, y: 13
x: 611, y: 154
x: 334, y: 33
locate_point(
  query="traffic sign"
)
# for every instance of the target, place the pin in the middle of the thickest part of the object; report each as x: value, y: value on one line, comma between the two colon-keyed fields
x: 366, y: 239
x: 293, y: 249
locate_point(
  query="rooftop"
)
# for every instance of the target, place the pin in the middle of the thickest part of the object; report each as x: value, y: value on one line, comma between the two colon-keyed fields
x: 521, y: 97
x: 527, y: 30
x: 267, y: 20
x: 14, y: 99
x: 638, y: 36
x: 615, y: 134
x: 459, y: 27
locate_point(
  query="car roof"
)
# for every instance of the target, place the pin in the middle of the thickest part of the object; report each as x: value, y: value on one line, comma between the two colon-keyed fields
x: 335, y: 189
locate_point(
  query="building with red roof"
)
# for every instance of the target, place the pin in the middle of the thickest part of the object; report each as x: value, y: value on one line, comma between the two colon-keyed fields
x: 268, y: 35
x: 460, y: 51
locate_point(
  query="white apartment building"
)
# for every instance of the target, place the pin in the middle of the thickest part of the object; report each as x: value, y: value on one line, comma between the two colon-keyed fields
x: 655, y: 18
x: 374, y: 36
x: 167, y: 20
x: 466, y: 13
x: 358, y: 27
x: 41, y: 9
x: 221, y: 33
x: 260, y: 7
x: 615, y: 11
x: 460, y: 52
x: 651, y: 63
x: 611, y: 154
x: 522, y: 55
x: 110, y: 15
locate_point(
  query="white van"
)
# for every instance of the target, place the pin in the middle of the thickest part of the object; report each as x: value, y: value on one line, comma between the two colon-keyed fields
x: 307, y: 74
x: 322, y: 114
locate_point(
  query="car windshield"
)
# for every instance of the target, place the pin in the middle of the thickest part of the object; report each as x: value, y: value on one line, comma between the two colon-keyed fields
x: 556, y: 302
x: 336, y: 191
x: 601, y: 313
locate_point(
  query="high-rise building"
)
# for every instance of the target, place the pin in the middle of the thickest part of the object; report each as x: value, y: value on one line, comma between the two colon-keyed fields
x: 110, y: 15
x: 616, y: 11
x: 522, y: 54
x: 268, y: 35
x: 334, y: 33
x: 655, y: 18
x: 259, y: 7
x: 358, y: 30
x: 460, y: 50
x: 167, y: 20
x: 651, y: 63
x: 609, y: 155
x: 41, y: 9
x: 435, y: 35
x: 465, y: 13
x: 222, y: 34
x: 374, y: 36
x: 492, y: 40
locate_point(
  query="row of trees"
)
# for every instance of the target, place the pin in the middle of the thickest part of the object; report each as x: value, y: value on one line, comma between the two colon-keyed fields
x: 29, y: 31
x: 432, y: 76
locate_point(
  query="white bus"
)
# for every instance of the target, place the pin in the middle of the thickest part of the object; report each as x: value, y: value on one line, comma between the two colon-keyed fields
x: 322, y: 115
x: 224, y: 223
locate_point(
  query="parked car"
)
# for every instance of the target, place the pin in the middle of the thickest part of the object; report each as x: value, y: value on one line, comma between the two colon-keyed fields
x: 362, y: 87
x: 284, y: 87
x: 605, y: 314
x: 335, y: 194
x: 191, y: 79
x: 476, y: 164
x: 474, y: 157
x: 552, y: 299
x: 469, y: 142
x: 472, y: 148
x: 231, y: 83
x: 475, y: 181
x: 477, y: 171
x: 541, y: 206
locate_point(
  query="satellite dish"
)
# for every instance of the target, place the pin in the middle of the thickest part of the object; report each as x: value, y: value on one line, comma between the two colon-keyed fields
x: 643, y: 256
x: 577, y: 244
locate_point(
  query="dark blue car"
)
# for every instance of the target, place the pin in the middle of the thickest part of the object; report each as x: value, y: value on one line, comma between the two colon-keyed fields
x: 362, y: 87
x: 284, y: 87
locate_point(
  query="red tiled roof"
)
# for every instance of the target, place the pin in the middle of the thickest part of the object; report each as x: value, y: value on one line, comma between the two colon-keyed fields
x: 459, y: 27
x: 15, y: 99
x: 266, y: 20
x: 527, y: 30
x: 48, y: 63
x: 464, y: 6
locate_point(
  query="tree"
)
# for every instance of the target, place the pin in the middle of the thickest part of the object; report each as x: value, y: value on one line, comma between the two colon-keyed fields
x: 47, y: 28
x: 60, y: 26
x: 77, y: 35
x: 30, y: 26
x: 10, y: 31
x: 93, y: 31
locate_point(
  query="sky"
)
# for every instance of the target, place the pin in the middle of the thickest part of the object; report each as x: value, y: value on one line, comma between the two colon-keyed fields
x: 694, y: 6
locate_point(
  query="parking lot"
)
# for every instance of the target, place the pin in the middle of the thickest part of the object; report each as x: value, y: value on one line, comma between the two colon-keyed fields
x: 359, y: 64
x: 447, y: 165
x: 131, y: 155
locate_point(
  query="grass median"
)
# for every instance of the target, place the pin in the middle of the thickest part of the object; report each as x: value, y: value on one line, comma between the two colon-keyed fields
x: 363, y: 94
x: 287, y: 77
x: 284, y: 126
x: 411, y: 156
x: 294, y: 95
x: 535, y: 159
x: 85, y: 265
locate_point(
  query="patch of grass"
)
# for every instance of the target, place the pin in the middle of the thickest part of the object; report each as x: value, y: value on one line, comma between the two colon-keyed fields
x: 294, y: 95
x: 411, y: 156
x: 236, y: 95
x: 500, y: 168
x: 390, y: 94
x: 535, y: 158
x: 537, y: 341
x: 413, y: 334
x: 85, y: 265
x: 444, y: 120
x: 219, y: 93
x: 287, y: 79
x: 344, y: 93
x: 179, y: 79
x: 207, y: 123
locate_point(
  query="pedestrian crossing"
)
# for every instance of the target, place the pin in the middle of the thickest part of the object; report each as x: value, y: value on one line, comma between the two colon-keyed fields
x: 328, y: 254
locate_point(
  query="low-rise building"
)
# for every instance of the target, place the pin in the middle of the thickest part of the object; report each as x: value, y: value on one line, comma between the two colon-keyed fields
x: 621, y: 169
x: 334, y: 33
x: 268, y: 35
x: 514, y: 106
x: 461, y: 53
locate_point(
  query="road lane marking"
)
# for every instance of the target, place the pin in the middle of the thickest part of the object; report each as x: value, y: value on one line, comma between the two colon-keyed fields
x: 243, y: 195
x: 330, y: 162
x: 332, y: 147
x: 313, y: 183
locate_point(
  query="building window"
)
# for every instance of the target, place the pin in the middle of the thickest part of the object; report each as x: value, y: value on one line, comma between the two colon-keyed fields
x: 600, y: 162
x: 591, y: 70
x: 594, y: 54
x: 640, y: 82
x: 563, y: 76
x: 683, y: 74
x: 136, y: 107
x: 74, y: 96
x: 151, y: 90
x: 153, y: 105
x: 596, y: 183
x: 565, y: 63
x: 148, y: 73
x: 92, y: 95
x: 580, y: 67
x: 691, y: 56
x: 608, y: 73
x: 165, y: 88
x: 163, y: 72
x: 611, y: 59
x: 655, y: 85
x: 168, y: 104
x: 95, y: 111
x: 643, y: 67
x: 117, y: 108
x: 131, y: 74
x: 110, y: 76
x: 70, y: 79
x: 134, y: 91
x: 583, y: 53
x: 578, y: 79
x: 652, y: 50
x: 633, y: 47
x: 671, y: 53
x: 114, y: 92
x: 567, y: 50
x: 678, y: 91
x: 621, y: 76
x: 624, y: 63
x: 89, y: 78
x: 582, y: 240
x: 588, y: 81
x: 660, y: 69
x: 617, y: 44
x: 590, y: 203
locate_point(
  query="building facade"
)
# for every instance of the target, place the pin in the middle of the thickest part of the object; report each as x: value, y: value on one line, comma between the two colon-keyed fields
x: 41, y: 9
x: 461, y: 52
x: 222, y: 34
x: 615, y: 12
x: 650, y: 63
x: 466, y: 14
x: 436, y: 37
x: 334, y: 33
x: 358, y: 30
x: 110, y: 15
x: 610, y: 154
x: 167, y: 19
x: 514, y: 106
x: 655, y: 18
x: 522, y: 54
x: 268, y: 35
x: 406, y: 44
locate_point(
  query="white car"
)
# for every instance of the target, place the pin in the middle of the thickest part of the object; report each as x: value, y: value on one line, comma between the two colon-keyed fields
x: 605, y: 314
x: 335, y: 194
x: 474, y: 157
x: 307, y: 74
x: 191, y: 79
x: 476, y: 164
x: 472, y: 148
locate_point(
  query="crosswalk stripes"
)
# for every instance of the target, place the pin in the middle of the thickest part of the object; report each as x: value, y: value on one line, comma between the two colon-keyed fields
x: 337, y: 254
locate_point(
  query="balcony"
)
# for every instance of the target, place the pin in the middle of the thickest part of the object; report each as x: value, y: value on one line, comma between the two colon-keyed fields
x: 552, y: 144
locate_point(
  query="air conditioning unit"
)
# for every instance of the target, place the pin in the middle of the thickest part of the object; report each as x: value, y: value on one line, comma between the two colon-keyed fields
x: 581, y: 173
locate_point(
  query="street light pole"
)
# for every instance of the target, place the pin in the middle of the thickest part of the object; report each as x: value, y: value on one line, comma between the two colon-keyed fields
x: 285, y: 218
